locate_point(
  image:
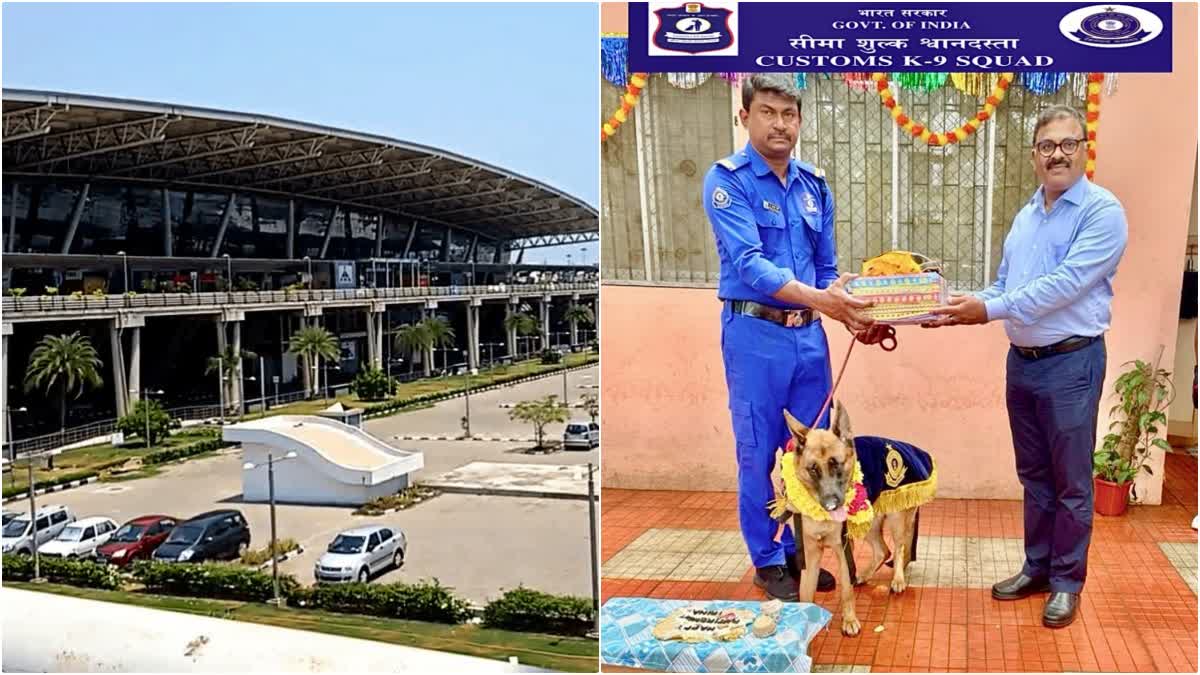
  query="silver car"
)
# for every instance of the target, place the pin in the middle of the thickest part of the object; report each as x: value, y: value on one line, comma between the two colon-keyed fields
x: 361, y: 553
x: 581, y: 435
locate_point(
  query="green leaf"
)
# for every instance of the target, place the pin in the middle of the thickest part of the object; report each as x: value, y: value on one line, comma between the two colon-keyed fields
x: 1161, y: 443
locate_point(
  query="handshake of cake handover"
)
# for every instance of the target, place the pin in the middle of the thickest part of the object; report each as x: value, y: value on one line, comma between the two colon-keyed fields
x: 903, y: 285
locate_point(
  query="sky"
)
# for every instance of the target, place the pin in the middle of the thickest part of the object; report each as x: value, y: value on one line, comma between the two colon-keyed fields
x: 514, y: 85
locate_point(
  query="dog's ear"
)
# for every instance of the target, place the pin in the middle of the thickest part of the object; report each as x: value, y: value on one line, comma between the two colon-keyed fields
x: 841, y: 424
x: 796, y: 427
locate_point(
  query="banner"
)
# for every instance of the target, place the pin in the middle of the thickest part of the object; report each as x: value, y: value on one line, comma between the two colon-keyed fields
x: 726, y: 36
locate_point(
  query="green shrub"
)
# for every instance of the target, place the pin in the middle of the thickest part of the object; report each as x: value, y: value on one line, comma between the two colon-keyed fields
x: 72, y: 571
x: 422, y: 601
x: 134, y: 424
x: 372, y: 384
x: 401, y: 500
x: 551, y: 357
x: 262, y: 555
x: 210, y: 580
x: 183, y: 451
x: 528, y: 610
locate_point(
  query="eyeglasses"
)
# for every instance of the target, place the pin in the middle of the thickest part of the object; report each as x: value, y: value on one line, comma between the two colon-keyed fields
x: 1069, y: 146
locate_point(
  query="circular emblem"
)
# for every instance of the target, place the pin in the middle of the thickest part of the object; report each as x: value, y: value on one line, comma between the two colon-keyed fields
x: 720, y: 198
x: 1109, y: 26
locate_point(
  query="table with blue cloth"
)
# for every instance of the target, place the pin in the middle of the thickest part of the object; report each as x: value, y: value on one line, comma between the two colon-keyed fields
x: 626, y: 640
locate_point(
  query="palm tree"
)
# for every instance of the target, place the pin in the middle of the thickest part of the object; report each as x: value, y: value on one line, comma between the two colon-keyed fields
x: 440, y: 332
x: 229, y: 361
x: 578, y: 314
x: 521, y: 324
x: 69, y: 361
x: 414, y: 339
x: 311, y: 344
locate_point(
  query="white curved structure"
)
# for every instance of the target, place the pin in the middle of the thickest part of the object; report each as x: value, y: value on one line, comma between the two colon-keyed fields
x: 47, y: 633
x: 334, y: 464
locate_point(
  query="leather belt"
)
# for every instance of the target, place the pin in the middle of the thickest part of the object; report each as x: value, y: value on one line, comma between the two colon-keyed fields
x: 1062, y: 347
x: 790, y: 318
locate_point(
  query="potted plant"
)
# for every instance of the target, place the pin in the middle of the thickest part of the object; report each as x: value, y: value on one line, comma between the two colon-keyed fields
x: 1145, y: 393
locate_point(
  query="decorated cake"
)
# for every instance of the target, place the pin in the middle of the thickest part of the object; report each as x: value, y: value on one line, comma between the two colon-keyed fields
x: 698, y: 623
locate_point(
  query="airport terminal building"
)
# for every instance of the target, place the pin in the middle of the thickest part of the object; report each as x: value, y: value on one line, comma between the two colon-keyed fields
x: 166, y: 233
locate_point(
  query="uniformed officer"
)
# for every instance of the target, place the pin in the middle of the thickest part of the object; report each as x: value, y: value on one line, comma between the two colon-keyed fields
x: 773, y: 220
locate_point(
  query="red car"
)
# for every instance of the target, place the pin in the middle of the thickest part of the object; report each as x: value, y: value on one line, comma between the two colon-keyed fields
x: 136, y: 539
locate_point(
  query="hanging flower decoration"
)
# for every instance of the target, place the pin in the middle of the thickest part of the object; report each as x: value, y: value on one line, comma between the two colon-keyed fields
x: 941, y: 138
x: 1095, y: 80
x: 633, y: 90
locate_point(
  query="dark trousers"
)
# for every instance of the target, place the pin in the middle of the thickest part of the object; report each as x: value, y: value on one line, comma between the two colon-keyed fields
x: 1052, y: 406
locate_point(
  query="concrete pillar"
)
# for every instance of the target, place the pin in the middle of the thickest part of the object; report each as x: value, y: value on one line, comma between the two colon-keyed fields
x: 473, y: 334
x: 168, y: 236
x: 544, y: 308
x: 237, y: 384
x: 574, y: 332
x: 510, y: 335
x: 10, y: 244
x: 135, y: 365
x: 76, y: 215
x: 375, y: 336
x: 5, y: 331
x: 291, y: 239
x: 120, y: 387
x: 427, y: 357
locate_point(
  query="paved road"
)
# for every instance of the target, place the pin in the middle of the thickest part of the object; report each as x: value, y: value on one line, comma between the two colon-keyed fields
x: 487, y: 417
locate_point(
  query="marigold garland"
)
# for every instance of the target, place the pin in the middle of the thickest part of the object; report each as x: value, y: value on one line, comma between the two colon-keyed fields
x: 633, y: 90
x: 1095, y: 80
x: 941, y: 138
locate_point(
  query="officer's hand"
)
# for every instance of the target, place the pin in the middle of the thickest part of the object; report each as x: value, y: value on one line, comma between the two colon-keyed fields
x: 836, y: 303
x: 872, y: 335
x: 963, y: 309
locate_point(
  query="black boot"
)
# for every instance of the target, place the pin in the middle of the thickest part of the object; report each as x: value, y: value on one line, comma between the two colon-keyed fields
x: 777, y: 582
x: 825, y: 580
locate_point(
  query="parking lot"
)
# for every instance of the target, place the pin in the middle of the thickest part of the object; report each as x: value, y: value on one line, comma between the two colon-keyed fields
x: 478, y: 544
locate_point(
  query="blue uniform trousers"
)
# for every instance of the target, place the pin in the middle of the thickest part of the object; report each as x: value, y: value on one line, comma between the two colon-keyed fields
x: 1053, y: 402
x: 769, y: 367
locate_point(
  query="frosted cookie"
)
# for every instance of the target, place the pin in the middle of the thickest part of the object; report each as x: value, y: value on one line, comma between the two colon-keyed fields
x: 696, y: 623
x: 772, y: 608
x: 764, y: 626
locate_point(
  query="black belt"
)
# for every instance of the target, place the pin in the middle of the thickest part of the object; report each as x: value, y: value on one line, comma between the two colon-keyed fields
x: 1062, y: 347
x: 791, y: 318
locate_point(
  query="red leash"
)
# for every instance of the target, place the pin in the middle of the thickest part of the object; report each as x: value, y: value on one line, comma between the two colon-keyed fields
x: 828, y: 399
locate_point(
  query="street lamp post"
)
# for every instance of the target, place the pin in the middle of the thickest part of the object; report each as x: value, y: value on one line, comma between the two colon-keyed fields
x: 221, y: 386
x: 248, y: 466
x: 12, y: 449
x: 33, y: 522
x: 146, y: 408
x: 566, y: 401
x: 262, y: 385
x: 467, y: 394
x: 125, y: 267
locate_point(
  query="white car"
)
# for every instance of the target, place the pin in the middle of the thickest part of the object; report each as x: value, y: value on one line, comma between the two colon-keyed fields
x: 18, y: 532
x: 359, y: 554
x: 81, y: 538
x: 581, y: 434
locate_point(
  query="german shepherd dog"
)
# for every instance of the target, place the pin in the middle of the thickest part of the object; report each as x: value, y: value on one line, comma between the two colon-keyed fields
x: 825, y: 464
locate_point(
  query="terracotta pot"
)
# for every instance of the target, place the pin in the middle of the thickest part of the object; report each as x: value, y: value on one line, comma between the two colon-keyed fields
x: 1111, y: 499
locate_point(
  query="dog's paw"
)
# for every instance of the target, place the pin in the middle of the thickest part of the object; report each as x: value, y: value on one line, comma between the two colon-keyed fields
x: 898, y: 585
x: 851, y: 626
x: 861, y: 580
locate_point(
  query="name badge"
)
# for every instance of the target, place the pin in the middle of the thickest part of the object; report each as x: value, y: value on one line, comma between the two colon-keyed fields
x: 771, y: 207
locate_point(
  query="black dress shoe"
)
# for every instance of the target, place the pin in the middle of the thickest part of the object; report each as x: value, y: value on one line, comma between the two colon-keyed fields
x: 1060, y: 609
x: 1020, y: 586
x: 777, y: 582
x: 825, y: 580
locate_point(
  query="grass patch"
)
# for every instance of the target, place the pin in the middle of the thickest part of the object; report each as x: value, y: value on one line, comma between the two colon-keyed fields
x: 259, y: 556
x: 437, y: 385
x: 401, y: 500
x: 543, y: 651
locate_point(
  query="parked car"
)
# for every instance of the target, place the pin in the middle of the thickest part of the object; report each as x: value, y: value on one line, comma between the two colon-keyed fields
x: 18, y: 532
x: 581, y: 434
x: 136, y: 539
x: 9, y: 515
x: 209, y: 536
x: 359, y: 554
x: 80, y: 539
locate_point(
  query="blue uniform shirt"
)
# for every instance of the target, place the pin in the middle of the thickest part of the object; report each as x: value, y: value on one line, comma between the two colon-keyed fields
x: 1055, y: 278
x: 768, y: 232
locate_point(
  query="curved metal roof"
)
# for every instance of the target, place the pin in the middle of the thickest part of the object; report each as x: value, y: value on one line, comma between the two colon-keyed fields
x: 61, y: 134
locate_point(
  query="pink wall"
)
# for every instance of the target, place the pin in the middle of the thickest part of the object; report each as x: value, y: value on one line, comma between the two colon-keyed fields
x: 666, y: 424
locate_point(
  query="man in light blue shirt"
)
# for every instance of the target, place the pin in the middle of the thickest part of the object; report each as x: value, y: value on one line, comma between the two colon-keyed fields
x: 1054, y: 293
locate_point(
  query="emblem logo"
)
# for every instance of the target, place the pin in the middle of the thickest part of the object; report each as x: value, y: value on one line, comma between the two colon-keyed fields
x: 810, y: 203
x: 720, y: 199
x: 1111, y: 26
x: 692, y: 28
x: 895, y: 467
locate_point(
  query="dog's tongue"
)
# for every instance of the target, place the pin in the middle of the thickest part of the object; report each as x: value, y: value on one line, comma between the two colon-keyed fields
x: 838, y: 514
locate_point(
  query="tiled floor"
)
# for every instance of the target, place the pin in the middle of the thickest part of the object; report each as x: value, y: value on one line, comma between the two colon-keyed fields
x: 1138, y: 613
